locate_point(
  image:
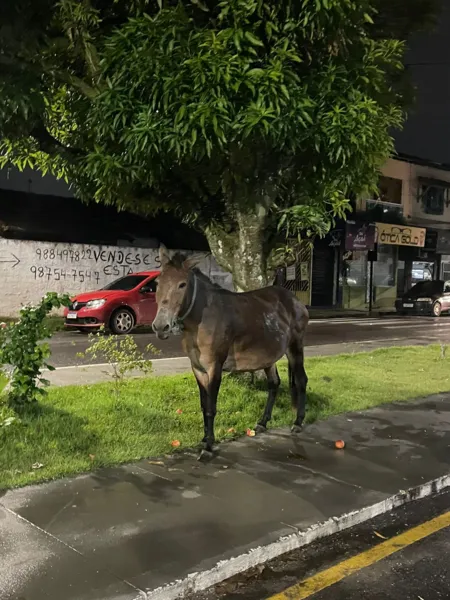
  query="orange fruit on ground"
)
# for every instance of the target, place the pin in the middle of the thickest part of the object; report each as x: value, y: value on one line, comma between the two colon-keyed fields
x: 339, y: 444
x: 176, y: 443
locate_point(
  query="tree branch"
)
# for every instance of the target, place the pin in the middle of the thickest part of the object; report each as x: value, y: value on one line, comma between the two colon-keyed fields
x: 49, y: 144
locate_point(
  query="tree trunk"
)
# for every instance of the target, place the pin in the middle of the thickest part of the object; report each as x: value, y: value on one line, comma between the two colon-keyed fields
x: 242, y: 252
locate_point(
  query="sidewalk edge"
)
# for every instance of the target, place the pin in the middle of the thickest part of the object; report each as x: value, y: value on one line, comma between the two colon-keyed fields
x: 197, y: 582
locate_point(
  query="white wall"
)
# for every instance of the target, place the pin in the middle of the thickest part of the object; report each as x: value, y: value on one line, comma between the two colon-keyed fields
x: 409, y: 174
x: 30, y: 269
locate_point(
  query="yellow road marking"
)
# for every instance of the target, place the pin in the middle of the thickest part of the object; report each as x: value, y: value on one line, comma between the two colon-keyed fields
x: 325, y: 579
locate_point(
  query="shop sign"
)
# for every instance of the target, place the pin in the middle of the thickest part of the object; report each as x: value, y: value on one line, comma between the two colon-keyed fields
x: 431, y: 240
x: 400, y: 235
x: 304, y: 271
x: 290, y: 273
x: 443, y: 242
x: 359, y: 236
x: 336, y: 236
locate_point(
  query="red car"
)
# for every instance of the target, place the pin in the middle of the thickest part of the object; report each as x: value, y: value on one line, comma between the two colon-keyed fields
x: 120, y: 306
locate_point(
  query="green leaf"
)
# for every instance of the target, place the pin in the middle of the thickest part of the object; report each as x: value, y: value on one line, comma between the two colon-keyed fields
x: 253, y: 39
x: 285, y: 91
x: 257, y: 72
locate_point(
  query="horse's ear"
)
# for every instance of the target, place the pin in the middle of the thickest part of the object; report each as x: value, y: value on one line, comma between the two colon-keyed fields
x: 192, y: 261
x: 164, y: 256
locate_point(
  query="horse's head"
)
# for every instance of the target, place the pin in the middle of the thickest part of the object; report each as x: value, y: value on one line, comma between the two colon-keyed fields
x: 175, y: 291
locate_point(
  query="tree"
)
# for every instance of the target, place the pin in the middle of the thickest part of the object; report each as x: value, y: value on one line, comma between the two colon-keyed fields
x: 252, y: 119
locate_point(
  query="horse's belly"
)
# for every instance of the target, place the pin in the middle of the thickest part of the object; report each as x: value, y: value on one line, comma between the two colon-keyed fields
x: 248, y: 364
x: 253, y: 358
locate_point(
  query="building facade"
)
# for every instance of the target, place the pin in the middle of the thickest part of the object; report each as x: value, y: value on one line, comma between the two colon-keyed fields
x: 394, y: 239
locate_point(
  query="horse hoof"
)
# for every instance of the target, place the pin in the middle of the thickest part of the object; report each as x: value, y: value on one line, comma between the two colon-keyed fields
x: 260, y: 429
x: 296, y: 428
x: 206, y: 455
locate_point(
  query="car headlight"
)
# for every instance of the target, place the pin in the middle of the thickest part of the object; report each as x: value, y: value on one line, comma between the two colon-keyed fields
x: 95, y: 303
x: 423, y: 300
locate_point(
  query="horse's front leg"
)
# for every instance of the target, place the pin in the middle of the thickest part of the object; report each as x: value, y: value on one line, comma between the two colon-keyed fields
x: 209, y: 384
x: 203, y: 403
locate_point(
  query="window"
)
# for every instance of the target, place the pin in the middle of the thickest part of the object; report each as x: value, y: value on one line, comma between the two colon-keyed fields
x: 390, y: 190
x: 355, y: 270
x: 445, y: 266
x: 125, y: 284
x: 434, y: 198
x: 385, y: 267
x: 426, y: 288
x: 422, y: 271
x: 149, y: 287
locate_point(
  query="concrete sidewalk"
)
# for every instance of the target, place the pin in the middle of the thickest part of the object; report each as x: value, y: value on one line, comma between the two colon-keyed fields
x: 161, y: 528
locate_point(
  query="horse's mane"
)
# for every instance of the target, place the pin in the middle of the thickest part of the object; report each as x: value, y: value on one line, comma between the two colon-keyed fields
x: 177, y: 261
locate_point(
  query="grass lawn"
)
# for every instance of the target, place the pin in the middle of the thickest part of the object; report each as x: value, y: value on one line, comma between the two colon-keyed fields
x: 85, y: 427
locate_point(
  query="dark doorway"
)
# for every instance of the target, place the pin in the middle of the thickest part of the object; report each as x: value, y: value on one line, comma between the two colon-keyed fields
x: 323, y: 273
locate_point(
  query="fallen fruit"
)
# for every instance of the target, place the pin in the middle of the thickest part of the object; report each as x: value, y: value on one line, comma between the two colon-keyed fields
x: 232, y: 430
x: 251, y: 432
x: 179, y: 411
x: 339, y: 444
x: 175, y: 443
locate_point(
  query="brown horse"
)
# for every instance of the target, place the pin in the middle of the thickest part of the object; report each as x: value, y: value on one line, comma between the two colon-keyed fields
x: 227, y: 331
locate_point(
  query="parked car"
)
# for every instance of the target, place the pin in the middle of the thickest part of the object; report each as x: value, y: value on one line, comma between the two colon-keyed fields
x: 425, y: 298
x: 120, y: 306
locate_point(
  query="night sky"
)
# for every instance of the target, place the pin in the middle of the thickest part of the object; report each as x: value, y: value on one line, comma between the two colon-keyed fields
x: 427, y: 131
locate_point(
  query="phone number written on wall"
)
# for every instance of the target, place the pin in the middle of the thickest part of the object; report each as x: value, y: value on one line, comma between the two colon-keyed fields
x: 109, y: 263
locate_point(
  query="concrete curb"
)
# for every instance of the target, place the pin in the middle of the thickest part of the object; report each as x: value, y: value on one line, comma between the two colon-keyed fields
x: 197, y: 582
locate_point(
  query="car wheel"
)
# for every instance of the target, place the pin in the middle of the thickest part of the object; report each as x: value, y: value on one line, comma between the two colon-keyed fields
x: 437, y: 309
x: 122, y: 321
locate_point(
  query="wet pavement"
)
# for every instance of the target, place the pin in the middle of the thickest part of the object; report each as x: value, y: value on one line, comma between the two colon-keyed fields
x: 121, y: 533
x: 419, y: 571
x: 325, y: 336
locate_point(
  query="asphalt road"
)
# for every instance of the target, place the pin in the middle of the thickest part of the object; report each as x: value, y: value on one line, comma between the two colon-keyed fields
x: 417, y: 571
x: 326, y: 336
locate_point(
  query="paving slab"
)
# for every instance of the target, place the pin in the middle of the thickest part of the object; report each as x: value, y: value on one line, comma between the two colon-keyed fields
x: 36, y: 566
x: 168, y: 520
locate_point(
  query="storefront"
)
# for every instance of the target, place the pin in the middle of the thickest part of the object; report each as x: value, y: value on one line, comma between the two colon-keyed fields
x: 421, y: 264
x: 373, y: 268
x: 443, y: 250
x: 354, y: 272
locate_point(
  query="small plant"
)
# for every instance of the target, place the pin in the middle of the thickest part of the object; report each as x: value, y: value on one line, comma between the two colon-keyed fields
x: 23, y: 355
x: 7, y: 417
x: 122, y: 355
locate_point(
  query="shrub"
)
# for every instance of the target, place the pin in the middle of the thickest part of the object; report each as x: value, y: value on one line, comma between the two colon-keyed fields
x: 23, y: 354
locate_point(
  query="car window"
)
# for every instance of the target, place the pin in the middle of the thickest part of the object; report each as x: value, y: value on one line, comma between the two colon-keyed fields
x: 125, y: 284
x: 424, y: 288
x: 447, y: 287
x: 150, y: 286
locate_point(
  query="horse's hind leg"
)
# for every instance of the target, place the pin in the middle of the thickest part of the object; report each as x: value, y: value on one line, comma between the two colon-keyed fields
x: 273, y: 380
x: 298, y: 381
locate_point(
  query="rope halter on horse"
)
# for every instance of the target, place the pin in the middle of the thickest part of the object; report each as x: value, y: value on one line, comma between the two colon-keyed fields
x: 191, y: 304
